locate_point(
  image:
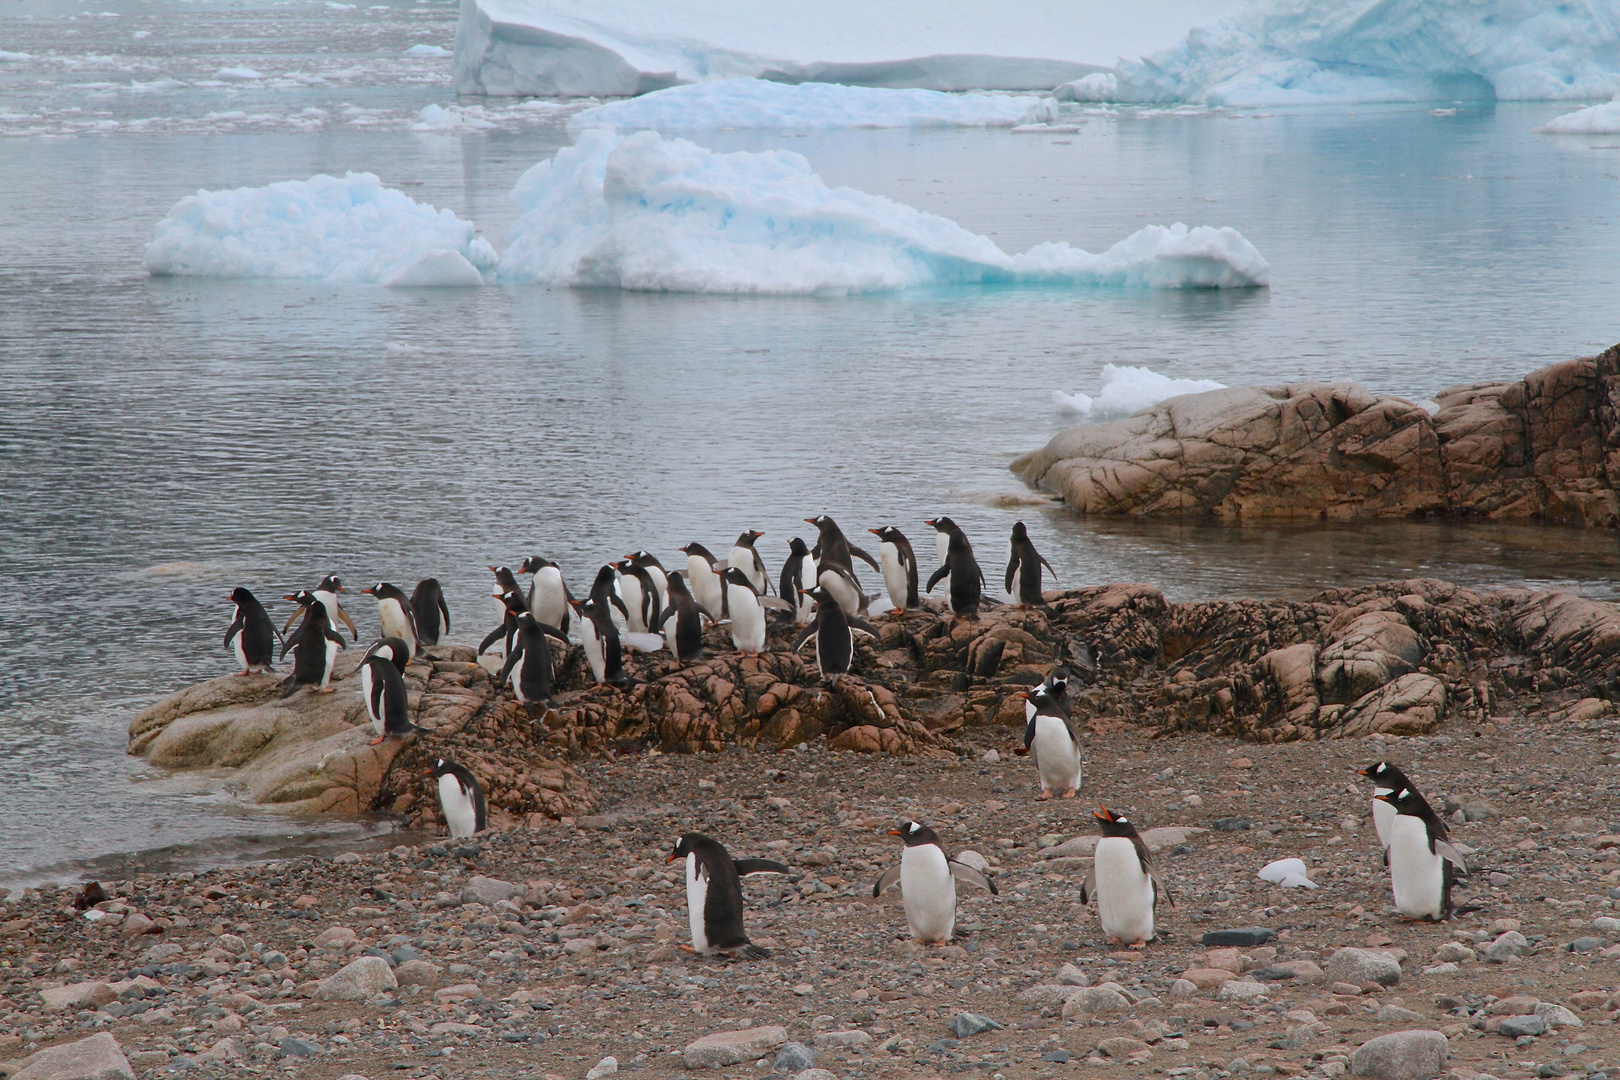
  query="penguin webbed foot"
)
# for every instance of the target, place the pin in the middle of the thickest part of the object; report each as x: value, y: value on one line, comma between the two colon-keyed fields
x: 1046, y: 793
x: 1137, y: 945
x: 689, y: 949
x: 1070, y: 793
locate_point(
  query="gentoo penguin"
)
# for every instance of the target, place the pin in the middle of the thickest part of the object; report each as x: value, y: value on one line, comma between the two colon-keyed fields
x: 682, y: 621
x: 529, y: 665
x: 427, y: 604
x: 702, y: 577
x: 1051, y: 740
x: 746, y: 558
x: 747, y: 612
x: 833, y: 547
x: 1024, y: 569
x: 899, y: 569
x: 714, y: 899
x: 834, y: 632
x: 386, y: 699
x: 315, y: 646
x: 647, y: 562
x: 505, y: 582
x: 798, y: 574
x: 1123, y: 881
x: 928, y: 878
x: 251, y: 635
x: 1054, y: 686
x: 1421, y: 857
x: 1386, y: 778
x: 513, y: 605
x: 548, y: 593
x: 396, y: 652
x: 605, y: 591
x: 396, y: 615
x: 636, y: 586
x: 967, y: 580
x: 603, y: 650
x: 460, y: 797
x: 326, y: 592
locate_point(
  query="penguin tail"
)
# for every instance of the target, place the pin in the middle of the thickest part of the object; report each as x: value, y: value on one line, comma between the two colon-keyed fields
x: 754, y: 952
x: 289, y: 687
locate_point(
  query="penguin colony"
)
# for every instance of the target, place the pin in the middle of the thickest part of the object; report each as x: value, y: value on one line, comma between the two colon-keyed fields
x: 636, y: 603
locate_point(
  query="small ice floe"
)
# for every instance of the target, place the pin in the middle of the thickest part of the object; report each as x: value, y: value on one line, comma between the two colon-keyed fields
x: 427, y: 50
x: 238, y: 74
x: 1593, y: 120
x: 1127, y: 389
x: 1289, y: 873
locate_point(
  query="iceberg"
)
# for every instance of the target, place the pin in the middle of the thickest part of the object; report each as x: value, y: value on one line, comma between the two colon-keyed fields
x: 351, y: 229
x: 756, y: 103
x: 1593, y: 120
x: 642, y: 212
x: 575, y: 48
x: 1302, y: 52
x: 1126, y: 390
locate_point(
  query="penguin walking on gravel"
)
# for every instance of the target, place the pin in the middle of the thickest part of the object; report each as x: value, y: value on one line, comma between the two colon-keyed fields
x: 603, y: 650
x: 682, y: 621
x: 387, y: 701
x: 928, y: 878
x: 745, y: 557
x: 834, y: 634
x: 702, y: 576
x: 460, y: 797
x: 427, y: 604
x: 1123, y: 881
x: 966, y: 590
x: 251, y: 635
x: 529, y: 664
x: 1050, y: 739
x: 315, y: 646
x: 395, y: 613
x: 1386, y: 778
x: 1422, y: 861
x: 714, y: 899
x: 899, y: 569
x: 798, y: 574
x: 548, y: 592
x: 1024, y: 569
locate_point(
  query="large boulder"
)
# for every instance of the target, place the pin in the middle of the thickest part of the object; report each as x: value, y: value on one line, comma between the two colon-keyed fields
x: 1402, y: 1055
x: 97, y: 1058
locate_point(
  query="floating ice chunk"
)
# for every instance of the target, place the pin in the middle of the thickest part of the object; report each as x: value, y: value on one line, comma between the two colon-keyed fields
x: 1593, y: 120
x: 427, y: 50
x: 1126, y: 390
x: 643, y: 212
x: 439, y: 118
x: 238, y: 74
x: 325, y: 228
x: 1289, y: 873
x: 756, y: 103
x: 14, y: 57
x: 1098, y: 86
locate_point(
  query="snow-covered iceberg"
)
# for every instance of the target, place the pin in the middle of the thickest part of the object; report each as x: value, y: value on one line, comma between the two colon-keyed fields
x: 758, y: 103
x: 1300, y: 52
x: 643, y: 212
x: 574, y: 48
x: 1601, y: 119
x: 351, y: 229
x: 1127, y: 389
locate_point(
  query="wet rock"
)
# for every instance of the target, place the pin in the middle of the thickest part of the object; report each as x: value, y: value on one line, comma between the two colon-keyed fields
x: 1402, y: 1055
x: 358, y: 980
x: 97, y: 1058
x: 722, y: 1048
x: 1358, y: 966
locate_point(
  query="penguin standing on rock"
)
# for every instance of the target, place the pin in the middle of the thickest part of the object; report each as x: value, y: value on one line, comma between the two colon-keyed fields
x: 714, y: 899
x: 928, y: 878
x: 513, y: 607
x: 1024, y: 569
x: 647, y: 563
x: 251, y: 635
x: 460, y: 797
x: 1386, y: 778
x: 605, y: 592
x: 315, y: 646
x: 427, y: 604
x: 387, y: 701
x: 682, y: 621
x: 1123, y: 881
x: 392, y: 649
x: 834, y: 632
x: 636, y: 586
x: 395, y: 613
x: 745, y: 557
x: 702, y: 576
x: 326, y: 592
x: 798, y: 574
x: 899, y: 569
x: 747, y: 612
x: 966, y: 579
x: 603, y: 650
x: 1051, y: 740
x: 548, y: 592
x: 835, y: 565
x: 529, y: 665
x: 1421, y: 858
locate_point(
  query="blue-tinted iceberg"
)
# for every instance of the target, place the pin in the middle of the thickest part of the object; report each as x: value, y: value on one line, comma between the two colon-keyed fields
x: 1601, y: 119
x: 757, y: 103
x: 325, y: 228
x: 643, y: 212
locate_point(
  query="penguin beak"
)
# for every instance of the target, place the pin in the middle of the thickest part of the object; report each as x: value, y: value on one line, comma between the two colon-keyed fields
x: 369, y: 591
x: 929, y: 521
x: 1023, y: 695
x: 670, y: 859
x: 875, y: 532
x: 896, y: 832
x: 1102, y: 813
x: 293, y: 597
x: 1363, y: 772
x: 1390, y: 798
x: 809, y: 521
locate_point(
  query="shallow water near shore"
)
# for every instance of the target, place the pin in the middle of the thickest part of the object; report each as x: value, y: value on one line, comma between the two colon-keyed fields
x: 164, y: 440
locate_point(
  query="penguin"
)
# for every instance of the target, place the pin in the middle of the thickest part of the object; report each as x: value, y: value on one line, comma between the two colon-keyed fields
x: 967, y: 580
x: 605, y: 592
x: 636, y: 586
x: 513, y: 605
x: 798, y: 574
x: 505, y: 582
x: 392, y: 649
x: 899, y: 569
x: 396, y: 615
x: 746, y: 558
x: 747, y: 613
x: 1123, y: 881
x: 714, y: 899
x: 603, y: 651
x: 326, y: 592
x: 548, y: 592
x: 529, y: 665
x: 702, y: 576
x: 1386, y: 778
x: 834, y: 634
x: 427, y: 604
x: 386, y: 700
x: 928, y: 878
x: 1054, y: 686
x: 1421, y: 857
x: 460, y: 797
x: 833, y: 547
x: 1024, y: 568
x: 251, y: 635
x: 647, y: 562
x: 315, y: 646
x: 1051, y: 739
x: 682, y: 621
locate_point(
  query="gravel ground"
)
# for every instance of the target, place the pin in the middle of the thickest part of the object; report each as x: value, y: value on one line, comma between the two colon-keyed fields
x: 579, y: 960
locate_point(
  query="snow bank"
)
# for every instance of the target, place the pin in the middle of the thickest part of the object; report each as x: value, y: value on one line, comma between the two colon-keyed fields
x: 321, y: 229
x: 1126, y: 390
x: 1593, y: 120
x: 642, y: 212
x: 1295, y: 52
x: 576, y: 48
x: 756, y: 103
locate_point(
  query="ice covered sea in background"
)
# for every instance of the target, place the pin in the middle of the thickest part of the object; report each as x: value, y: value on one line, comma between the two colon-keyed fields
x: 162, y: 439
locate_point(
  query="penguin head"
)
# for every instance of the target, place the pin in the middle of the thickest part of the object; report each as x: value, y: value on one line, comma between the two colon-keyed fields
x: 1020, y: 534
x: 735, y: 576
x: 514, y: 601
x: 887, y: 534
x: 241, y: 596
x: 644, y: 559
x: 697, y: 551
x: 331, y: 583
x: 1113, y: 824
x: 377, y: 658
x: 823, y: 523
x: 446, y: 767
x: 533, y: 564
x: 1405, y: 800
x: 817, y: 593
x: 938, y: 523
x: 747, y: 539
x: 378, y: 590
x: 797, y: 546
x: 684, y: 846
x: 915, y: 835
x: 1056, y: 685
x: 1385, y: 775
x: 1040, y: 697
x: 676, y: 582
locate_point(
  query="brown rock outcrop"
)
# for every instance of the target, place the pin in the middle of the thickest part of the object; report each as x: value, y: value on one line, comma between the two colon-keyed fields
x: 1545, y: 447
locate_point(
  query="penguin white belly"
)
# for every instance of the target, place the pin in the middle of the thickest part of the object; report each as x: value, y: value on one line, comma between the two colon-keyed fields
x: 843, y: 590
x: 1383, y: 816
x: 1416, y: 874
x: 943, y: 542
x: 391, y: 614
x: 743, y: 559
x: 459, y: 812
x: 894, y: 574
x: 705, y: 584
x: 660, y: 582
x: 1057, y: 759
x: 365, y: 693
x: 747, y: 621
x: 595, y: 655
x: 671, y: 628
x: 548, y: 602
x: 237, y: 648
x: 929, y: 892
x: 1124, y: 891
x: 630, y: 589
x: 515, y: 680
x: 331, y: 659
x: 697, y: 897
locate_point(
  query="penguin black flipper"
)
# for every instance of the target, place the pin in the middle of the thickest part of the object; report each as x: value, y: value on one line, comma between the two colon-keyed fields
x: 1088, y: 888
x: 965, y: 873
x: 511, y: 661
x: 1146, y: 861
x: 1012, y: 574
x: 344, y: 615
x: 494, y: 635
x: 864, y: 557
x: 858, y: 623
x: 663, y: 616
x: 1445, y: 850
x: 237, y: 623
x: 809, y: 632
x: 333, y: 636
x: 1029, y: 732
x: 937, y: 576
x: 886, y: 880
x: 444, y: 609
x: 758, y: 866
x: 1048, y: 566
x: 556, y: 632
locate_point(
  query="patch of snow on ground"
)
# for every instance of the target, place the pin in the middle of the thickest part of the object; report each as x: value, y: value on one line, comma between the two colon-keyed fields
x: 757, y: 103
x: 642, y: 212
x: 1593, y: 120
x: 325, y: 228
x: 1126, y: 389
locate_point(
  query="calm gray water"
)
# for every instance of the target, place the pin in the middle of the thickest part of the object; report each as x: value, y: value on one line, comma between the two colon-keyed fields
x: 164, y: 440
